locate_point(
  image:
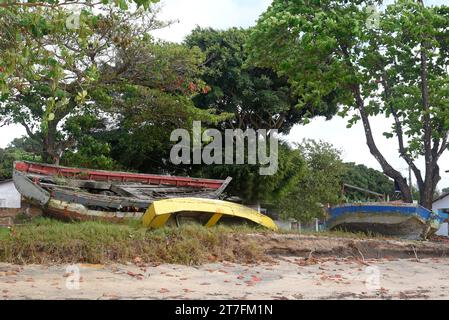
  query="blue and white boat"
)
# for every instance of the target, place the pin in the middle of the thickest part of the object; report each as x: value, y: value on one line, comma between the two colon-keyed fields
x: 403, y: 220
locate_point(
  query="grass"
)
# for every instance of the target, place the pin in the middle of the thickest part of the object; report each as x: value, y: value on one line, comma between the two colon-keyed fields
x: 46, y: 240
x: 4, y: 233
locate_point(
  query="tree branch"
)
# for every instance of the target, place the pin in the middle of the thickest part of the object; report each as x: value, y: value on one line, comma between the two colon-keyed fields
x: 386, y: 167
x: 28, y: 129
x: 444, y: 146
x: 400, y: 133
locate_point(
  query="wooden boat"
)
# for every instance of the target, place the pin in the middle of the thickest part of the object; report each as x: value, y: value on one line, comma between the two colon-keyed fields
x: 83, y: 194
x: 404, y: 220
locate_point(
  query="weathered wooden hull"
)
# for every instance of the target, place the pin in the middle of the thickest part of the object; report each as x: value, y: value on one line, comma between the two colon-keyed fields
x: 77, y: 212
x: 405, y: 221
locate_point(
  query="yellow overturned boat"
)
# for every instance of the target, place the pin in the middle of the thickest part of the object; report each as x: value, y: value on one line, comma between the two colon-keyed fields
x: 209, y: 212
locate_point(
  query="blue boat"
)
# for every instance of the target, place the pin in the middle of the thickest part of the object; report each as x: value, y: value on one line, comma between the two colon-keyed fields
x: 404, y: 220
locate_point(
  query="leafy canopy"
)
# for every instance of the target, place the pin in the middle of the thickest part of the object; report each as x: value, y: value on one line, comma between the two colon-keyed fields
x: 319, y: 185
x: 258, y: 97
x: 392, y: 64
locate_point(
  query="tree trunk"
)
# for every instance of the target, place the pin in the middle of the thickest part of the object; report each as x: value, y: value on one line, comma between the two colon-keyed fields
x: 426, y: 196
x: 427, y: 191
x: 386, y: 167
x: 50, y: 153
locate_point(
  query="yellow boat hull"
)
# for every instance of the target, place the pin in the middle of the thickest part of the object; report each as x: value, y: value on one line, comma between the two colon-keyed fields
x: 160, y: 212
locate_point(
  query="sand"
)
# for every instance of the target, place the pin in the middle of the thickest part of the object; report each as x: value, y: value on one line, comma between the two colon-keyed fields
x: 284, y: 278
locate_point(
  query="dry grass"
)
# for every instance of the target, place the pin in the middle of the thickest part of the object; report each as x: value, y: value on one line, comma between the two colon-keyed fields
x: 45, y: 241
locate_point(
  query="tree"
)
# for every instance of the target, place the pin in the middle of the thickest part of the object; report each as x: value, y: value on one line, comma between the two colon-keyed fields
x: 396, y: 67
x: 366, y: 178
x: 53, y: 76
x: 140, y: 137
x: 151, y: 98
x: 319, y: 186
x: 258, y: 98
x: 11, y: 154
x: 250, y: 186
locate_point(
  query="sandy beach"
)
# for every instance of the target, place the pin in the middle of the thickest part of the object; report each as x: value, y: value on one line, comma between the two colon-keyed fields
x: 284, y: 278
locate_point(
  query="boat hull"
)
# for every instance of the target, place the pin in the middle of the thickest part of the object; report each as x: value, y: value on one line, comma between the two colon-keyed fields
x: 77, y: 212
x: 402, y: 221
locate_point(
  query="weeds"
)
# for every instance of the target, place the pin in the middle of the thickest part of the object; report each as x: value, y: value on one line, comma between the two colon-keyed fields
x: 49, y: 241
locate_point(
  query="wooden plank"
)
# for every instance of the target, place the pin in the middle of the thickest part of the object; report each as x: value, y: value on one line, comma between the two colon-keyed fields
x: 97, y: 200
x: 362, y: 190
x: 121, y: 191
x: 75, y: 183
x: 225, y: 184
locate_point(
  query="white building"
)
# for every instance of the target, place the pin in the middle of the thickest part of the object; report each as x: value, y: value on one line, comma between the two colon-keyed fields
x: 9, y: 196
x: 442, y: 203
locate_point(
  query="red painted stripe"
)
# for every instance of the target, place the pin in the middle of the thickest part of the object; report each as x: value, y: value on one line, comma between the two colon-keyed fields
x: 30, y: 167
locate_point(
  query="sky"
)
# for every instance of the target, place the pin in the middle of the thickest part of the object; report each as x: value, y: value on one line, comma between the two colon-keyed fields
x: 222, y: 14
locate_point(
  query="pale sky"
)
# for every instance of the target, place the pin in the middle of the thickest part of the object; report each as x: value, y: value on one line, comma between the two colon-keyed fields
x: 222, y: 14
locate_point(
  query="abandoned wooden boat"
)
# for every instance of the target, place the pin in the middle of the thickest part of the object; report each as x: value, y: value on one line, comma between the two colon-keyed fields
x: 83, y: 194
x: 403, y: 220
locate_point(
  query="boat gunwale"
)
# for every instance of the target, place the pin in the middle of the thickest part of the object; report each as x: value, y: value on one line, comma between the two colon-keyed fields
x: 69, y: 172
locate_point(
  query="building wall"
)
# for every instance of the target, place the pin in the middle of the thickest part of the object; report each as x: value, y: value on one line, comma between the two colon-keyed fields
x: 439, y: 205
x: 9, y: 196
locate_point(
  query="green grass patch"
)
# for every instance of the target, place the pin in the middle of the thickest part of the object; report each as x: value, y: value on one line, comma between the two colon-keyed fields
x: 4, y: 233
x: 45, y: 240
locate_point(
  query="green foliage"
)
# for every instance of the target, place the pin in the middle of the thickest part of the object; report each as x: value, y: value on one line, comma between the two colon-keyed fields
x: 90, y: 153
x: 141, y: 140
x: 307, y: 42
x: 52, y: 76
x: 366, y: 178
x: 319, y: 186
x: 11, y: 154
x: 122, y: 4
x: 257, y: 97
x: 250, y: 186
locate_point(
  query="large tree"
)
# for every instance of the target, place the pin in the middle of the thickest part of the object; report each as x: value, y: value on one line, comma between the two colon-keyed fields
x: 65, y: 85
x: 48, y: 74
x: 258, y: 97
x: 392, y: 64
